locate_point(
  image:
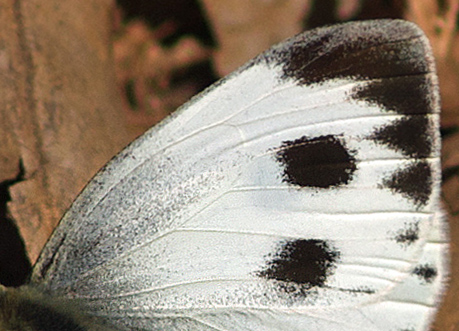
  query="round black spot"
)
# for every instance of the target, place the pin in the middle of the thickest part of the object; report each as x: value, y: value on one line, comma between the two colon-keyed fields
x: 316, y: 162
x: 304, y: 262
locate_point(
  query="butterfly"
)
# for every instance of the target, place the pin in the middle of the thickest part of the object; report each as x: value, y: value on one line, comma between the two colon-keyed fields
x: 300, y: 192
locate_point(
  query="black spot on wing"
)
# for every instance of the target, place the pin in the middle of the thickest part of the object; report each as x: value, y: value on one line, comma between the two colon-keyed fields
x: 426, y: 272
x: 413, y: 182
x: 410, y: 135
x: 316, y: 162
x: 302, y: 262
x: 363, y: 50
x: 403, y: 95
x: 408, y: 235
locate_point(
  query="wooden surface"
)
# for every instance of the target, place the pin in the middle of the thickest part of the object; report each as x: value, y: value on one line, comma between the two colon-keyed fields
x: 60, y: 113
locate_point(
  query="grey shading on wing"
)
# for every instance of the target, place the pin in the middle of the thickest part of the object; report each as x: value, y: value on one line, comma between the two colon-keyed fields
x: 299, y: 193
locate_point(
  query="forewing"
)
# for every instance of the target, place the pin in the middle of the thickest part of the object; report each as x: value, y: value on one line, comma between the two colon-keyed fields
x: 299, y: 193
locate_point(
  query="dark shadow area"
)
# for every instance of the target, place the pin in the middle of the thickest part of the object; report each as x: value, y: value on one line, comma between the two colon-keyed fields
x: 15, y: 266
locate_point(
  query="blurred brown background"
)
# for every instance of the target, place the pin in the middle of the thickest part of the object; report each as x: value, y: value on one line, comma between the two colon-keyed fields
x: 80, y: 79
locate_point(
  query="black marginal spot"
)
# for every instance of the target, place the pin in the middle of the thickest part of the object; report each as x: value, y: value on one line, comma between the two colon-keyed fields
x: 363, y: 50
x: 410, y: 135
x: 413, y: 182
x: 406, y: 95
x: 316, y: 162
x: 303, y: 262
x: 426, y: 272
x: 408, y: 235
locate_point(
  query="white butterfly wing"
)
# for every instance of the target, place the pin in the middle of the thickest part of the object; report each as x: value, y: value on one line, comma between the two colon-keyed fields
x: 299, y: 193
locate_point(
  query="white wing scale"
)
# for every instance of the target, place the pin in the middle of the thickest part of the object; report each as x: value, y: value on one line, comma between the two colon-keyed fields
x: 299, y: 193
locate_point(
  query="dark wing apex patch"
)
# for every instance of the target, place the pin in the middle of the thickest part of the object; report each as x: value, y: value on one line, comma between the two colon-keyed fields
x: 410, y: 135
x: 413, y: 182
x: 303, y: 262
x: 316, y: 162
x: 373, y: 49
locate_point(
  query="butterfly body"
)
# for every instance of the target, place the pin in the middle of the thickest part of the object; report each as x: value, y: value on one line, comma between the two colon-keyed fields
x: 299, y: 193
